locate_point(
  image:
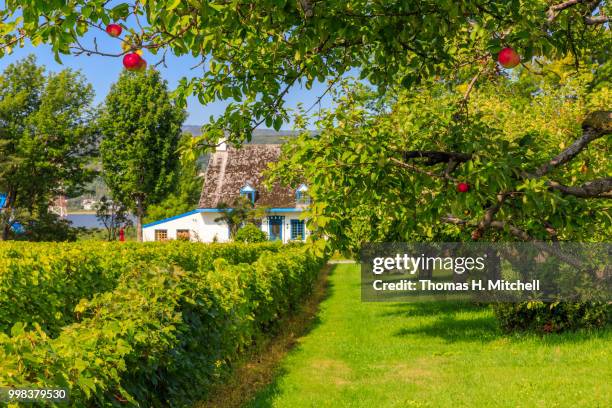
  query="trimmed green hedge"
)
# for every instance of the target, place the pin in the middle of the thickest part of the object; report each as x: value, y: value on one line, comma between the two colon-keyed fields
x: 551, y: 317
x: 42, y: 282
x: 163, y: 336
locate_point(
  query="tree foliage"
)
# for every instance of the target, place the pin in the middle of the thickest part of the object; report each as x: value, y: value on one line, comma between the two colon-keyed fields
x: 388, y: 171
x: 141, y: 129
x: 239, y: 213
x: 254, y: 52
x: 113, y: 215
x: 46, y: 137
x: 432, y: 116
x: 186, y: 189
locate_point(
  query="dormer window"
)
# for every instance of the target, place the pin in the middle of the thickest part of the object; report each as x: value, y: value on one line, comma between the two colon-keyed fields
x: 301, y: 195
x: 249, y: 192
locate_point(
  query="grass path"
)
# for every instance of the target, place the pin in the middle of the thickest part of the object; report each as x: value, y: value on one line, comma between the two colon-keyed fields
x: 433, y: 355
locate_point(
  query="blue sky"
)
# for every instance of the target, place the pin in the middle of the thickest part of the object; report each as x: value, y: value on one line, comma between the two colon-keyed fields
x: 101, y: 72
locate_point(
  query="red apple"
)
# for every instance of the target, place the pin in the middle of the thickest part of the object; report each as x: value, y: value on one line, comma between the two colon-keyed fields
x: 476, y: 234
x: 114, y: 30
x: 132, y: 61
x: 142, y: 65
x: 463, y: 187
x: 508, y: 58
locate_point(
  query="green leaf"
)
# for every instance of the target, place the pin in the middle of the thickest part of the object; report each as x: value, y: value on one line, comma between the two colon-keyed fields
x: 173, y: 4
x: 17, y: 329
x: 121, y: 10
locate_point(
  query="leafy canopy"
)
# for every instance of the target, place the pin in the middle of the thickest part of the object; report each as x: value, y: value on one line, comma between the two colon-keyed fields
x: 254, y: 52
x: 384, y: 151
x: 46, y: 137
x: 141, y: 129
x: 187, y: 186
x: 382, y: 171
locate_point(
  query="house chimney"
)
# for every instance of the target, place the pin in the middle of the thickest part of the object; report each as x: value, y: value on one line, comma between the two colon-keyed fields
x: 222, y: 144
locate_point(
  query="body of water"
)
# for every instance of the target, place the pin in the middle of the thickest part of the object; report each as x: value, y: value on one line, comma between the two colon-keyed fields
x: 86, y: 220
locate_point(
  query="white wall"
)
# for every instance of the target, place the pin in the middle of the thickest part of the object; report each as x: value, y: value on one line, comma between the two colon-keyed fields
x: 202, y: 227
x: 211, y: 229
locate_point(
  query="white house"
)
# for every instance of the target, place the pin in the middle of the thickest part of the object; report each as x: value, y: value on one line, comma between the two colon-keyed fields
x: 232, y: 173
x: 89, y: 204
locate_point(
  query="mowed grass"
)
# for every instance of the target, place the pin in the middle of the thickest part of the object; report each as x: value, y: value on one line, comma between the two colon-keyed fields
x: 433, y: 355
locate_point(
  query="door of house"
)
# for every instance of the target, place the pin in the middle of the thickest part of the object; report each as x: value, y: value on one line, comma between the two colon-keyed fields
x: 276, y: 227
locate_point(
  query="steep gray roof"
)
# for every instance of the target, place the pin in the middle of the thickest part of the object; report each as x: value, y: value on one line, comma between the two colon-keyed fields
x: 228, y: 171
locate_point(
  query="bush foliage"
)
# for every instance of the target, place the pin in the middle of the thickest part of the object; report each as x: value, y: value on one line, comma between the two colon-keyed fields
x: 251, y: 233
x: 551, y: 317
x: 162, y: 335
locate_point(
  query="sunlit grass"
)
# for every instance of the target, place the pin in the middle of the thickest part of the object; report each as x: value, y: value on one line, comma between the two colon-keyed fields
x: 434, y: 355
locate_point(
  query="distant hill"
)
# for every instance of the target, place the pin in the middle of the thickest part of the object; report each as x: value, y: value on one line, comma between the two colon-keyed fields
x: 260, y: 136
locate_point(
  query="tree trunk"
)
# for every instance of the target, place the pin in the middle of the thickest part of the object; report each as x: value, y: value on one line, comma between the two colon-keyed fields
x: 139, y: 215
x: 111, y: 231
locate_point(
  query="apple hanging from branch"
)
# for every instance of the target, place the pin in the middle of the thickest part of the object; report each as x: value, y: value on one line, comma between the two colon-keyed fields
x: 133, y: 62
x: 463, y: 187
x: 508, y: 58
x: 142, y: 65
x: 114, y: 30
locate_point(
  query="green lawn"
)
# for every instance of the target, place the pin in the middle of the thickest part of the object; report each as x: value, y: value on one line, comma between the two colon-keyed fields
x: 433, y: 355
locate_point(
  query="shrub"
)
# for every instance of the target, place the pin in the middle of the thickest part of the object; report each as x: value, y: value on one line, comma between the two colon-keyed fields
x: 46, y: 227
x: 43, y: 282
x: 163, y: 335
x: 551, y: 317
x: 251, y: 233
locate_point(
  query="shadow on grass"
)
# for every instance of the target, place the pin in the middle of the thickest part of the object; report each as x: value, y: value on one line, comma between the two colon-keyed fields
x: 266, y: 395
x: 450, y: 321
x: 469, y: 322
x: 432, y: 308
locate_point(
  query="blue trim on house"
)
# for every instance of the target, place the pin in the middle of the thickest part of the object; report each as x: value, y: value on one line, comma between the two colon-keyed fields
x: 248, y: 191
x: 247, y: 188
x: 289, y: 209
x: 176, y: 217
x: 214, y: 210
x: 249, y: 194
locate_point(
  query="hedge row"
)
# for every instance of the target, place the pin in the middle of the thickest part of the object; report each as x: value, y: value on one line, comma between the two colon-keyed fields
x: 552, y: 317
x: 42, y: 283
x: 163, y: 336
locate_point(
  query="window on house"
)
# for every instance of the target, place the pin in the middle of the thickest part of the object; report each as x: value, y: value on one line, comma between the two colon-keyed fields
x: 161, y: 235
x: 297, y: 230
x: 301, y: 195
x: 249, y: 192
x: 183, y: 235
